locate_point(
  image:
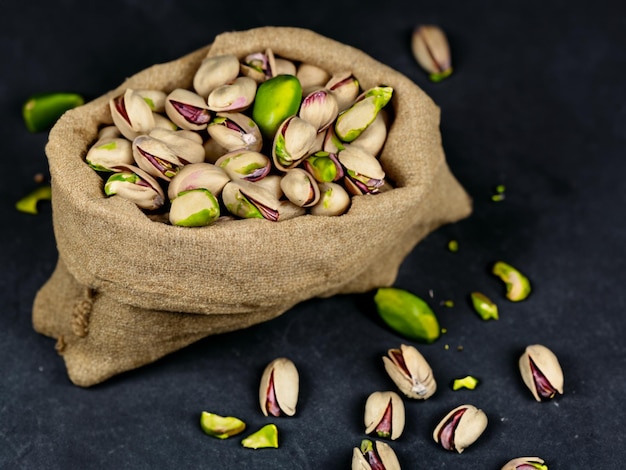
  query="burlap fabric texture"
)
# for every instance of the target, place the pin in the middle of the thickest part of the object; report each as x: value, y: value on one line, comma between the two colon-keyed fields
x: 128, y: 290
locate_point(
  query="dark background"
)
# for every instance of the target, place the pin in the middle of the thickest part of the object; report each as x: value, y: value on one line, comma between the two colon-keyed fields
x: 536, y: 102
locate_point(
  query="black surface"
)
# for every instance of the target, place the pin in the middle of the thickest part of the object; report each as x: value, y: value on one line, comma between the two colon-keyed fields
x: 537, y: 102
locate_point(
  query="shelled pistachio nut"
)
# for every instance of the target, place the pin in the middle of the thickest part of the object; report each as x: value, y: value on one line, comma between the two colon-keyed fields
x: 334, y: 200
x: 194, y: 208
x: 410, y: 372
x: 108, y: 153
x: 332, y: 143
x: 234, y: 131
x: 431, y: 50
x: 250, y: 201
x: 460, y: 428
x: 264, y: 438
x: 384, y: 415
x: 363, y: 172
x: 377, y: 455
x: 259, y: 66
x: 245, y: 165
x: 188, y: 110
x: 279, y: 388
x: 42, y: 110
x: 293, y: 142
x: 311, y: 76
x: 541, y: 372
x: 135, y: 185
x: 319, y: 108
x: 517, y: 284
x: 354, y: 120
x: 131, y: 114
x: 214, y: 72
x: 300, y: 187
x: 484, y: 306
x: 345, y: 88
x: 198, y: 175
x: 235, y: 96
x: 324, y: 166
x: 525, y: 463
x: 276, y: 99
x: 221, y: 427
x: 154, y: 98
x: 373, y: 138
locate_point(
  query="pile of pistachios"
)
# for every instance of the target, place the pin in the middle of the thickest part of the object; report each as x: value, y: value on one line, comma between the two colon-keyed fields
x: 262, y: 137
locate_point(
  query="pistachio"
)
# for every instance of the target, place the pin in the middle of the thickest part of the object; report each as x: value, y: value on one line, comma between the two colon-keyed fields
x: 363, y: 172
x: 431, y: 50
x: 373, y: 137
x: 278, y: 391
x: 517, y: 284
x: 41, y: 111
x: 245, y: 164
x: 187, y: 110
x: 109, y: 152
x: 194, y: 208
x: 334, y: 200
x: 324, y: 167
x: 410, y: 372
x: 384, y: 415
x: 235, y: 131
x: 136, y: 185
x: 292, y: 143
x: 272, y: 184
x: 259, y: 66
x: 319, y: 108
x: 407, y: 314
x: 154, y: 98
x: 214, y: 72
x: 484, y: 306
x: 221, y: 427
x: 311, y: 77
x: 162, y: 122
x: 213, y: 150
x: 28, y: 204
x: 541, y: 372
x: 460, y: 428
x: 300, y: 187
x: 525, y: 463
x: 235, y: 96
x: 354, y: 120
x: 453, y: 246
x: 469, y: 382
x: 266, y: 437
x: 284, y: 67
x: 345, y: 88
x: 332, y: 143
x: 276, y: 99
x: 131, y: 114
x: 198, y: 175
x: 250, y: 201
x: 374, y: 456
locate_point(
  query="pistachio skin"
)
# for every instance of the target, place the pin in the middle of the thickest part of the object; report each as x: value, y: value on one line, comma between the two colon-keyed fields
x: 374, y: 456
x: 279, y: 388
x: 410, y: 372
x: 460, y: 428
x: 187, y: 110
x: 541, y: 372
x: 384, y: 415
x: 525, y: 463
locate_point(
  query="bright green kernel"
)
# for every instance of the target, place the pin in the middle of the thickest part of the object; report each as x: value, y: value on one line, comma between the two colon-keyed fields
x: 266, y: 437
x: 517, y: 284
x: 221, y: 427
x: 468, y: 382
x: 484, y: 306
x: 41, y: 111
x: 28, y: 204
x: 453, y: 246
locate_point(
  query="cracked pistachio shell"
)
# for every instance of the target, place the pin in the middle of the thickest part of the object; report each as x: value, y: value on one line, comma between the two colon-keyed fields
x: 214, y: 72
x: 235, y: 131
x: 235, y: 96
x: 363, y: 172
x: 431, y: 50
x: 410, y: 372
x: 525, y: 463
x: 278, y: 391
x: 460, y: 428
x: 250, y: 201
x: 324, y: 167
x: 198, y: 175
x: 334, y: 200
x: 311, y: 77
x: 188, y: 110
x: 384, y: 415
x: 135, y: 185
x: 293, y: 141
x: 194, y: 208
x: 245, y: 165
x: 221, y: 427
x: 276, y: 99
x: 332, y: 143
x: 131, y: 114
x: 109, y: 152
x: 272, y: 184
x: 354, y: 120
x: 374, y: 456
x: 345, y: 88
x: 373, y: 138
x: 259, y: 66
x: 154, y: 98
x: 186, y: 144
x: 541, y: 372
x: 155, y: 157
x: 266, y: 437
x: 319, y: 108
x: 517, y: 284
x: 300, y: 187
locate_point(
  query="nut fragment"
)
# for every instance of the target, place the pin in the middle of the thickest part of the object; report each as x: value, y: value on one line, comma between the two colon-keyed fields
x: 469, y: 382
x: 541, y: 372
x: 194, y: 208
x: 41, y: 111
x: 525, y: 463
x: 28, y: 204
x: 431, y: 50
x: 410, y: 372
x: 384, y: 415
x: 278, y: 391
x: 221, y: 427
x: 265, y: 437
x: 460, y: 428
x: 134, y: 184
x: 374, y: 456
x: 484, y: 306
x: 517, y: 284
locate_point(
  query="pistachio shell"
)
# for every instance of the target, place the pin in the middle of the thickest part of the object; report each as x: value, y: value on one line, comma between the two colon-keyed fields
x: 155, y: 157
x: 235, y: 96
x: 541, y: 372
x: 278, y: 391
x: 386, y: 409
x: 108, y: 132
x: 334, y: 200
x: 410, y: 372
x: 332, y: 143
x: 136, y: 185
x: 345, y: 87
x: 213, y: 150
x: 354, y: 120
x: 162, y: 122
x: 188, y: 110
x: 460, y: 428
x: 109, y: 152
x: 311, y: 76
x: 131, y: 114
x: 525, y: 463
x: 382, y: 452
x: 431, y: 50
x: 154, y: 98
x: 245, y: 164
x: 293, y: 142
x: 214, y: 72
x: 259, y: 66
x: 300, y: 187
x: 319, y: 108
x: 194, y: 208
x: 235, y: 131
x: 248, y: 200
x: 363, y: 172
x: 198, y: 175
x: 272, y: 184
x: 187, y: 145
x: 373, y: 137
x: 284, y: 67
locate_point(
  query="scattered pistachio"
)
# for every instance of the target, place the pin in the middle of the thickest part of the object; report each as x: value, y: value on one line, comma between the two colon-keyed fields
x: 276, y: 100
x: 460, y: 428
x: 41, y: 111
x: 484, y: 306
x: 431, y: 50
x: 407, y: 314
x: 517, y: 284
x: 410, y: 372
x: 525, y: 463
x: 278, y: 391
x: 448, y: 303
x: 384, y: 415
x: 453, y: 246
x: 266, y: 437
x: 541, y: 372
x: 376, y: 455
x: 28, y: 204
x: 469, y: 382
x: 221, y: 427
x: 194, y: 208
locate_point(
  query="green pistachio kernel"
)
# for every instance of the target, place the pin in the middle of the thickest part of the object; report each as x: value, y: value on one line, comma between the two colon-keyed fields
x: 28, y: 203
x: 41, y: 111
x: 484, y: 306
x: 194, y: 208
x: 469, y: 382
x: 517, y: 285
x: 439, y: 76
x: 407, y: 314
x: 266, y: 437
x: 221, y: 427
x: 453, y: 246
x: 276, y: 99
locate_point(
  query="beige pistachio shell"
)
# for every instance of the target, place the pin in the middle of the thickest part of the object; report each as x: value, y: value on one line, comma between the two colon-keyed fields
x: 515, y: 463
x: 373, y: 138
x: 548, y: 377
x: 108, y: 152
x: 155, y: 157
x: 198, y: 175
x: 214, y: 72
x: 235, y: 131
x: 385, y: 454
x: 334, y: 200
x: 272, y: 184
x: 410, y: 372
x: 286, y: 382
x: 375, y: 408
x: 300, y: 187
x: 148, y: 195
x: 188, y: 110
x: 284, y: 67
x: 345, y: 87
x: 364, y: 173
x: 259, y: 66
x: 108, y: 132
x: 248, y: 200
x: 213, y: 150
x: 163, y: 122
x: 235, y: 96
x: 319, y: 108
x: 311, y: 77
x: 293, y: 142
x: 245, y: 165
x: 185, y: 144
x: 459, y: 435
x: 154, y: 98
x: 131, y: 114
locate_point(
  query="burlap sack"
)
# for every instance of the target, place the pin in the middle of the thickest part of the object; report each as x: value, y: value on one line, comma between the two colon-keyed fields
x: 128, y: 290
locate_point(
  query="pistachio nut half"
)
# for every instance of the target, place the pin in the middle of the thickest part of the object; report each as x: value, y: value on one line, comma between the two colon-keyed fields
x: 541, y: 372
x: 410, y: 372
x: 264, y: 438
x: 250, y: 201
x: 292, y: 143
x: 517, y: 284
x: 363, y: 172
x: 377, y: 455
x: 334, y: 200
x: 245, y: 165
x: 279, y: 388
x: 221, y: 427
x: 384, y: 415
x: 525, y: 463
x: 320, y: 108
x: 108, y: 153
x: 460, y: 428
x: 300, y: 187
x: 235, y: 131
x: 214, y: 72
x: 235, y: 96
x: 194, y: 208
x: 154, y: 98
x: 324, y: 166
x: 188, y: 110
x: 354, y: 120
x: 198, y: 175
x: 374, y: 136
x: 135, y: 185
x: 259, y: 66
x: 311, y: 77
x: 131, y: 114
x: 345, y: 88
x: 431, y: 50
